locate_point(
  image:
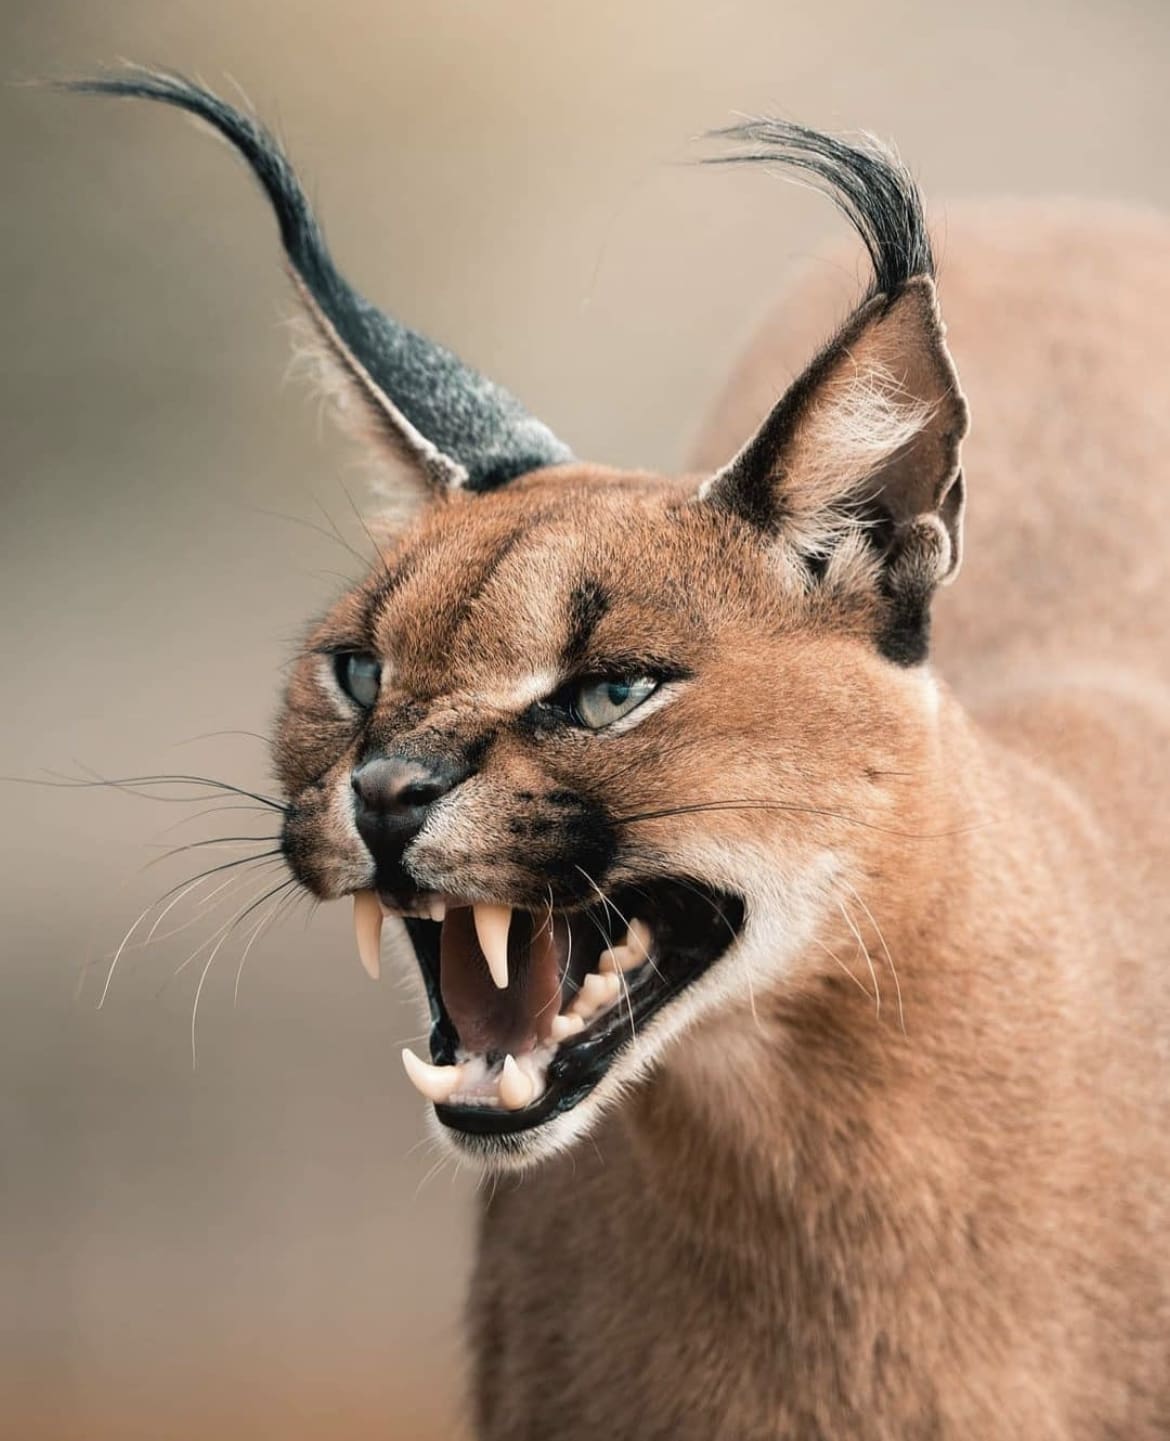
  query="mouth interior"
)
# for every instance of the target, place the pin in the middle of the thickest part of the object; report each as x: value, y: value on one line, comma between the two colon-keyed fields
x: 529, y: 1009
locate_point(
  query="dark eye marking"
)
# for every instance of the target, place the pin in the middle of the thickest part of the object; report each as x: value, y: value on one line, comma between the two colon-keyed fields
x: 588, y: 603
x: 394, y: 577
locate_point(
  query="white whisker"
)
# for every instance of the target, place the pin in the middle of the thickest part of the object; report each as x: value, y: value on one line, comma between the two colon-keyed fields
x: 885, y: 948
x: 877, y: 995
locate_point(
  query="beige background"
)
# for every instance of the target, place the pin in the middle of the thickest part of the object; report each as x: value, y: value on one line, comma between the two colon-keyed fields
x: 264, y: 1246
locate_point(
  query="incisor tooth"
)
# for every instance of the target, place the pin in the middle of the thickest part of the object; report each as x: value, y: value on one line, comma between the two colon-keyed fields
x: 491, y: 926
x: 516, y: 1089
x: 367, y: 929
x: 563, y: 1027
x: 436, y: 1083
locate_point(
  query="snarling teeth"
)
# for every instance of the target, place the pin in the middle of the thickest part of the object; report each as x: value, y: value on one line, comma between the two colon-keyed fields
x: 517, y: 1088
x: 632, y: 954
x: 597, y: 992
x: 367, y: 925
x: 511, y: 989
x: 436, y: 1083
x: 491, y: 926
x: 565, y: 1026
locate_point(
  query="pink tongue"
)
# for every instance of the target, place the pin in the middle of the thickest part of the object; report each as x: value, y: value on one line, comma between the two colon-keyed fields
x: 515, y: 1020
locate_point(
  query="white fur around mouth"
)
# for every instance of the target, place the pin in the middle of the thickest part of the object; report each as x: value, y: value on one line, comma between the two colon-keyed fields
x: 547, y: 1011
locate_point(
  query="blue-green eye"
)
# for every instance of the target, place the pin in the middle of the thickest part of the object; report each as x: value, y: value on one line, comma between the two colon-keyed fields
x: 359, y: 676
x: 598, y: 703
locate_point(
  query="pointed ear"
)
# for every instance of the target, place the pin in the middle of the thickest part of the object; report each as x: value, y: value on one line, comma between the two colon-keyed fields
x: 332, y: 369
x: 455, y: 429
x: 864, y: 447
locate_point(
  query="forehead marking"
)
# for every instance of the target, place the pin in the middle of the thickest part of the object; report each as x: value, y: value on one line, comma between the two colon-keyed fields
x: 589, y: 602
x: 463, y: 587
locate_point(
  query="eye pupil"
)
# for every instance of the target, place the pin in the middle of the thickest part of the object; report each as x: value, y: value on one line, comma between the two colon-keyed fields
x: 618, y: 691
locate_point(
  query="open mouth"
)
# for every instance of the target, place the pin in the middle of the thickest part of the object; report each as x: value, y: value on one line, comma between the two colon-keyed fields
x: 530, y: 1009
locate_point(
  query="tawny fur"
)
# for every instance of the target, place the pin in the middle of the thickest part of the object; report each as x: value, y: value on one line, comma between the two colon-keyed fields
x: 816, y: 1221
x: 896, y: 1164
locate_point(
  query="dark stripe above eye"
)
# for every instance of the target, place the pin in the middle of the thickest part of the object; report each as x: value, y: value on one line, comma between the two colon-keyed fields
x: 588, y: 603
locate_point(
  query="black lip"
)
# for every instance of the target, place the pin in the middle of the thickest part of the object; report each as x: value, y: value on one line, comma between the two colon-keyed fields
x: 694, y: 923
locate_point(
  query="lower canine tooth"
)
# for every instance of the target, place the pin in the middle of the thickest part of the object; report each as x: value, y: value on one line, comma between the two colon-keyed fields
x: 367, y: 929
x: 436, y: 1083
x: 516, y: 1089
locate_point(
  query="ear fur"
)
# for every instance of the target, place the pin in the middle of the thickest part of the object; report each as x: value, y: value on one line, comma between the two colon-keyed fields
x: 855, y: 475
x: 362, y: 406
x: 404, y: 471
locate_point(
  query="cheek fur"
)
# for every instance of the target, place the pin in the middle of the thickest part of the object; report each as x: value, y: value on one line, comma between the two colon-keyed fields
x: 320, y: 840
x: 315, y: 728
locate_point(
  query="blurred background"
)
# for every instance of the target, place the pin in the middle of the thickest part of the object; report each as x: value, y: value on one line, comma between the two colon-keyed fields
x: 266, y: 1244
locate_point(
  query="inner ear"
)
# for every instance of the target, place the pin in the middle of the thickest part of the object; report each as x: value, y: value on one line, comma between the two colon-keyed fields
x: 866, y: 440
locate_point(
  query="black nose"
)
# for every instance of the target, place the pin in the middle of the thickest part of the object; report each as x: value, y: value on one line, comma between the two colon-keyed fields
x: 392, y: 796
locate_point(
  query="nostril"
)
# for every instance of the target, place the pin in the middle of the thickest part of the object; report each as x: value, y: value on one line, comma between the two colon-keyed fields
x: 420, y: 793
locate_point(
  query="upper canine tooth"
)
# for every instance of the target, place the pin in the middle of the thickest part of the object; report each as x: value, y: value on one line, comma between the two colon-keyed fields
x: 516, y: 1089
x: 436, y: 1083
x: 491, y: 926
x: 367, y: 929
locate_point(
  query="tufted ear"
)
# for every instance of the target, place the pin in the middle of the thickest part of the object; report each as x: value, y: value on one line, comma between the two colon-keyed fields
x: 455, y: 428
x: 856, y: 472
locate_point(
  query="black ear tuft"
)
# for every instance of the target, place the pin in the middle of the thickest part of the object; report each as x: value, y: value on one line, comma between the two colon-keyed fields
x: 456, y: 427
x: 863, y: 178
